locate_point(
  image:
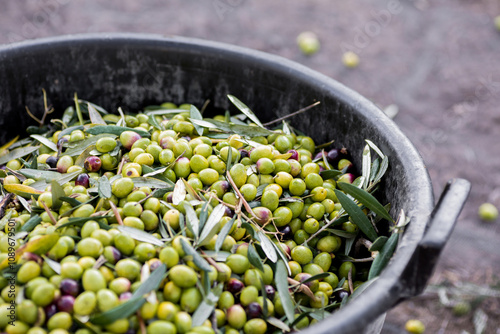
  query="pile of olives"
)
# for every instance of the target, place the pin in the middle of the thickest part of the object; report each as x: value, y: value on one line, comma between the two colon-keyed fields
x: 77, y: 256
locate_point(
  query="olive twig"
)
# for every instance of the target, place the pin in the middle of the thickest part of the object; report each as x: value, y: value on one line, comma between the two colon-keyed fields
x: 117, y: 214
x: 302, y: 288
x: 328, y: 223
x: 49, y: 213
x: 292, y: 114
x: 349, y: 279
x: 211, y: 261
x: 245, y: 203
x: 5, y: 201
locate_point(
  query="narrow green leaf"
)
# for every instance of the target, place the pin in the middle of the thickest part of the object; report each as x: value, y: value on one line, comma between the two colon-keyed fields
x: 152, y: 283
x: 24, y: 203
x: 73, y: 201
x: 104, y: 187
x: 67, y: 131
x: 140, y: 235
x: 81, y: 221
x: 197, y: 259
x: 375, y: 148
x: 77, y: 148
x: 179, y: 193
x: 366, y: 199
x: 383, y: 168
x: 194, y: 113
x: 229, y: 159
x: 45, y: 141
x: 94, y: 115
x: 366, y: 166
x: 342, y: 233
x: 254, y: 258
x: 378, y: 244
x: 5, y: 219
x: 203, y: 123
x: 286, y: 129
x: 281, y: 280
x: 84, y: 103
x: 220, y: 256
x: 151, y: 182
x: 249, y: 229
x: 80, y: 160
x: 278, y: 324
x: 37, y: 174
x: 159, y: 111
x: 192, y: 221
x: 330, y: 174
x: 243, y: 130
x: 223, y: 234
x: 54, y: 265
x: 267, y: 246
x: 152, y: 121
x: 211, y: 226
x: 315, y: 277
x: 207, y: 306
x: 203, y: 213
x: 114, y: 129
x: 384, y: 256
x: 57, y: 192
x: 374, y: 169
x: 17, y: 153
x: 244, y: 109
x: 357, y: 215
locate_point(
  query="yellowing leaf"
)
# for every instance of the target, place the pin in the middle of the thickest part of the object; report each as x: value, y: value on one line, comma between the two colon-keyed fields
x: 22, y: 190
x: 37, y: 246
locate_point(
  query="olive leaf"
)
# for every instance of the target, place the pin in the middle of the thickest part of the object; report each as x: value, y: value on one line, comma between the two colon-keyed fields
x: 84, y: 105
x: 374, y: 169
x: 375, y: 148
x: 197, y: 259
x: 31, y: 223
x: 203, y: 213
x: 54, y: 265
x: 383, y: 168
x: 194, y: 113
x: 357, y: 215
x: 278, y: 324
x: 378, y: 244
x: 179, y: 193
x: 115, y: 129
x: 82, y: 220
x: 45, y: 141
x: 384, y: 256
x: 223, y: 234
x: 22, y: 190
x: 220, y: 256
x: 242, y: 130
x: 348, y: 246
x: 140, y: 235
x: 67, y: 131
x: 57, y: 192
x: 207, y: 306
x: 37, y: 246
x: 281, y: 280
x: 366, y: 199
x: 342, y: 233
x: 152, y: 121
x: 24, y: 203
x: 244, y: 109
x: 315, y: 277
x: 78, y: 147
x: 267, y: 246
x: 254, y: 258
x: 94, y: 115
x: 151, y: 182
x: 211, y: 226
x: 366, y: 166
x: 192, y: 220
x: 134, y: 303
x: 104, y: 187
x: 5, y: 219
x: 330, y: 174
x: 17, y: 153
x: 80, y: 160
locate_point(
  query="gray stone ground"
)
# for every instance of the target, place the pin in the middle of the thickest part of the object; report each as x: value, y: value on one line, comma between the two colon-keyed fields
x: 437, y: 61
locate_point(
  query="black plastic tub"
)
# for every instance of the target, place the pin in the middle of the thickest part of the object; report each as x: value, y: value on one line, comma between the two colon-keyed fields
x: 132, y: 70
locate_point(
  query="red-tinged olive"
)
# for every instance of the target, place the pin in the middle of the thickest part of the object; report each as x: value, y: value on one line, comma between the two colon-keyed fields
x: 112, y: 254
x: 51, y: 161
x: 65, y: 303
x: 125, y: 296
x: 295, y: 154
x: 154, y: 264
x: 234, y: 286
x: 348, y: 178
x: 92, y: 163
x: 69, y: 287
x: 263, y: 215
x: 270, y: 291
x: 128, y: 138
x: 253, y: 310
x: 82, y: 180
x: 228, y: 212
x: 345, y: 164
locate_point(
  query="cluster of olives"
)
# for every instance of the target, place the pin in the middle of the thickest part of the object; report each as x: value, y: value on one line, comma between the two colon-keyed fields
x: 94, y: 266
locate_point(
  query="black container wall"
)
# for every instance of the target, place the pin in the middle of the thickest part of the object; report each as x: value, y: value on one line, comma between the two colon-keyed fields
x: 136, y: 70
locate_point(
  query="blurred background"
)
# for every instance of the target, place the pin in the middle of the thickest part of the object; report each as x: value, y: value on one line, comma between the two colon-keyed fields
x: 432, y: 66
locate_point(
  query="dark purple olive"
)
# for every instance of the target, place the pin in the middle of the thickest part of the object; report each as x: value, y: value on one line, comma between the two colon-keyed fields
x: 92, y: 163
x: 318, y: 155
x: 65, y: 303
x: 333, y: 156
x: 254, y: 310
x: 228, y: 212
x: 321, y: 168
x: 287, y: 232
x: 32, y: 257
x: 270, y: 291
x: 295, y: 155
x: 244, y: 153
x: 69, y: 287
x: 125, y: 296
x: 51, y: 161
x: 50, y: 310
x: 234, y: 286
x: 186, y: 137
x: 82, y: 180
x: 169, y: 197
x: 340, y: 295
x: 112, y: 254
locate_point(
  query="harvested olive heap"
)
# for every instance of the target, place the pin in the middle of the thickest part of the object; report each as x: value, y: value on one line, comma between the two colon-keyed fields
x: 168, y: 222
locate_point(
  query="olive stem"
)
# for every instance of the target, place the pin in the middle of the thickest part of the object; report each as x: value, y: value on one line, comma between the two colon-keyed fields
x: 117, y: 214
x: 366, y: 259
x: 302, y: 288
x: 119, y: 171
x: 49, y: 213
x: 245, y: 203
x: 349, y: 279
x: 292, y: 114
x: 205, y: 105
x: 367, y: 243
x: 211, y: 261
x: 328, y: 223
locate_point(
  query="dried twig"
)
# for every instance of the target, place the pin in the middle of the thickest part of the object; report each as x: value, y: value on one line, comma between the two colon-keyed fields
x: 292, y: 114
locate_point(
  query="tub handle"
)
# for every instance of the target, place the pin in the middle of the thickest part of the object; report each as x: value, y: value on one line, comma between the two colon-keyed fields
x: 441, y: 224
